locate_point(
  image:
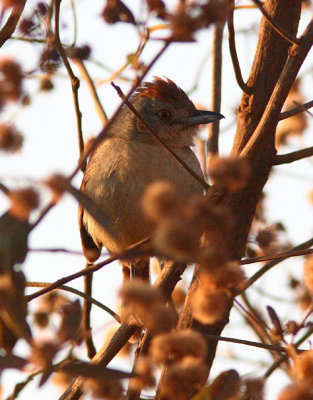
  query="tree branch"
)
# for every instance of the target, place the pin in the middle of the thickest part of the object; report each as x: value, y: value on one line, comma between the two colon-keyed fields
x: 279, y: 29
x: 296, y: 110
x: 297, y: 54
x: 78, y: 293
x: 213, y: 128
x: 232, y: 49
x: 294, y: 156
x: 9, y: 27
x: 74, y: 80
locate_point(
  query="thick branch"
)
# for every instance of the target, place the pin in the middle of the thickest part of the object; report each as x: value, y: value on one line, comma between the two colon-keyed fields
x: 9, y: 27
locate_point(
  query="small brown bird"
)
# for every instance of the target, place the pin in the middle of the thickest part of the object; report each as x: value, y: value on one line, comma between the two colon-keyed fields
x: 129, y: 159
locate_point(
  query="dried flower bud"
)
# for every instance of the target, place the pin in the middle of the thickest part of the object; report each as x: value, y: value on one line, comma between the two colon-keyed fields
x: 215, y: 219
x: 229, y: 172
x: 50, y: 60
x: 10, y: 139
x: 160, y: 200
x: 266, y: 237
x: 158, y: 318
x: 177, y: 238
x: 297, y: 391
x: 116, y: 11
x: 222, y: 278
x: 104, y: 388
x: 144, y: 374
x: 11, y: 79
x: 303, y: 367
x: 158, y: 7
x: 209, y: 308
x: 176, y: 345
x: 26, y: 26
x: 58, y: 184
x: 182, y: 380
x: 139, y: 295
x: 78, y: 52
x: 70, y: 328
x: 308, y: 274
x: 43, y: 353
x: 42, y: 8
x: 41, y: 319
x: 291, y: 327
x: 23, y: 201
x: 226, y: 385
x: 253, y: 389
x: 46, y: 83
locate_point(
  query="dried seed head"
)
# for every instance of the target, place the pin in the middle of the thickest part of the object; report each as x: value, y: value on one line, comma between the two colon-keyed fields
x: 229, y: 172
x: 209, y: 308
x: 116, y: 11
x: 26, y: 26
x: 210, y: 217
x: 222, y: 278
x: 158, y: 318
x: 70, y: 328
x: 253, y: 389
x: 160, y: 200
x: 41, y: 319
x: 182, y: 380
x: 177, y: 238
x: 43, y: 353
x: 139, y: 295
x: 58, y: 184
x: 226, y: 385
x: 46, y: 83
x: 50, y: 60
x: 177, y: 345
x: 11, y: 79
x: 308, y: 274
x: 23, y: 201
x: 297, y: 391
x: 78, y: 52
x: 158, y: 7
x: 10, y: 139
x: 104, y: 388
x: 303, y: 367
x: 144, y: 378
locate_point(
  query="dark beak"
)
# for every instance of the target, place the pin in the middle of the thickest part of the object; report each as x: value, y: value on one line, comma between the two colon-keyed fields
x: 201, y: 117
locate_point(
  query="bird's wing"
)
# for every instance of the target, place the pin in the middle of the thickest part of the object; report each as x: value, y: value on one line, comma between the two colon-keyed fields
x: 91, y: 250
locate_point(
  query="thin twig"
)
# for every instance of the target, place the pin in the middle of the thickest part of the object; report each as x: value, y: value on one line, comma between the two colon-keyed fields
x: 283, y: 358
x: 86, y: 77
x: 293, y: 156
x: 286, y: 254
x: 78, y: 293
x: 296, y: 110
x: 279, y: 29
x: 216, y: 92
x: 232, y: 49
x: 74, y: 80
x: 130, y: 252
x: 272, y: 263
x: 159, y: 140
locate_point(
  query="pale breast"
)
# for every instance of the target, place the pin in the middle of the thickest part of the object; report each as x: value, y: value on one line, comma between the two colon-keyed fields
x: 116, y: 178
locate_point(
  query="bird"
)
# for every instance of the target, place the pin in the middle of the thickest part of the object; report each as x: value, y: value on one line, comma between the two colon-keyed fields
x: 129, y: 159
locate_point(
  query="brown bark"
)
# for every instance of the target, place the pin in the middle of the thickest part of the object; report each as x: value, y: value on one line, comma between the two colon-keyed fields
x: 270, y: 58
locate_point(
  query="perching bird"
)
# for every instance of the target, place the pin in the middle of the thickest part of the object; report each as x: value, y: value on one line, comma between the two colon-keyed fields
x: 129, y: 159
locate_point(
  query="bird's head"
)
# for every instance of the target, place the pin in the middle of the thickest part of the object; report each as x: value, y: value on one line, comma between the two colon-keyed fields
x: 167, y: 110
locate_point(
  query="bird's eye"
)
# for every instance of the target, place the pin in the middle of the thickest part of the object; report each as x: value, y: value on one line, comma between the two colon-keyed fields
x: 164, y: 115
